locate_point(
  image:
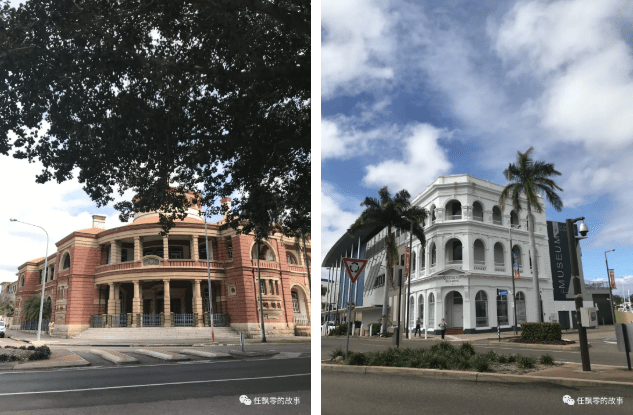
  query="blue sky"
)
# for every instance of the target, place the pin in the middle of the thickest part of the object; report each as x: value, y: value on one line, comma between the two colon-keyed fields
x: 412, y: 90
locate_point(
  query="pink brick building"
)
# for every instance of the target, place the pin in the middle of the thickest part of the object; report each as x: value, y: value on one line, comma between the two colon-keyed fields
x: 132, y: 276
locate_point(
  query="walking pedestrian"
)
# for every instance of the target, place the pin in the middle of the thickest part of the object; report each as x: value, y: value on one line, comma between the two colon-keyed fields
x: 442, y: 326
x: 417, y: 331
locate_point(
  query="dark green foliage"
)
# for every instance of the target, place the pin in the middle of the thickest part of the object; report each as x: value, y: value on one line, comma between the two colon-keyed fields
x: 526, y: 362
x: 375, y: 328
x: 480, y: 363
x: 41, y: 353
x: 220, y: 102
x: 358, y: 359
x: 491, y: 356
x: 547, y: 359
x: 541, y: 331
x: 30, y: 347
x: 340, y: 330
x: 31, y: 308
x: 512, y: 358
x: 23, y: 347
x: 336, y: 353
x: 7, y: 358
x: 502, y: 359
x: 467, y: 348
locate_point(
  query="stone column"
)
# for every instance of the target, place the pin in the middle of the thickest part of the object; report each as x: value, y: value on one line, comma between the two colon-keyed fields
x: 167, y: 303
x: 138, y: 248
x: 111, y: 300
x: 195, y: 255
x: 197, y: 301
x: 137, y: 301
x: 117, y: 303
x: 115, y: 253
x: 165, y: 247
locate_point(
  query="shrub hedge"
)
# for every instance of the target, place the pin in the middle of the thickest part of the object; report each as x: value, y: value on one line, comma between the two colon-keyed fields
x: 540, y: 331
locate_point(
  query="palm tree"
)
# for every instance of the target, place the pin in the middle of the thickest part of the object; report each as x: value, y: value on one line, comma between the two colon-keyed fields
x: 388, y: 212
x: 531, y: 178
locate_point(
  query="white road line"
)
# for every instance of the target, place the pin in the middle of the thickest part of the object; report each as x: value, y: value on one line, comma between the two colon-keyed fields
x: 150, y: 384
x: 68, y: 369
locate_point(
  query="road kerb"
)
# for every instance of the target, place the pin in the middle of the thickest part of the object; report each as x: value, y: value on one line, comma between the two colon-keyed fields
x: 71, y: 360
x: 210, y: 355
x: 114, y: 357
x: 163, y: 355
x: 472, y: 376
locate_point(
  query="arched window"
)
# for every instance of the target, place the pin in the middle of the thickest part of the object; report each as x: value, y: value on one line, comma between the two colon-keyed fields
x: 66, y: 261
x: 453, y: 210
x: 431, y: 311
x: 521, y: 310
x: 413, y: 261
x: 516, y: 257
x: 421, y: 308
x: 453, y: 251
x: 423, y: 258
x: 497, y: 219
x: 479, y: 253
x: 481, y: 309
x: 291, y: 259
x: 432, y: 214
x: 295, y: 301
x: 478, y: 212
x: 514, y: 220
x: 411, y: 312
x: 433, y: 255
x: 499, y: 257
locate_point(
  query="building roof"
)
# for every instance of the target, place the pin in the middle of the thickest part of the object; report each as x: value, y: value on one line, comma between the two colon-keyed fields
x: 346, y: 241
x: 155, y: 219
x: 91, y: 230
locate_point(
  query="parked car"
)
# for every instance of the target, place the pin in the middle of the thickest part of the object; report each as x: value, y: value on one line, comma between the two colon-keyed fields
x: 2, y: 329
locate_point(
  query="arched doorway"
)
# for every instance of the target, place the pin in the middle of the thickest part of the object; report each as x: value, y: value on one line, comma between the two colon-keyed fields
x: 454, y: 310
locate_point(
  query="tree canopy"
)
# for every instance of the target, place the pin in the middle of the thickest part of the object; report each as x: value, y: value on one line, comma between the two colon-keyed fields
x: 208, y: 95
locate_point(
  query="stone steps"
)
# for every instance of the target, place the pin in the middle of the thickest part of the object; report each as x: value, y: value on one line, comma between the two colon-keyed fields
x: 161, y: 333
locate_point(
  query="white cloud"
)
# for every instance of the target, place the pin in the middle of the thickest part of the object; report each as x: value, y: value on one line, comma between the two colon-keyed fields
x: 334, y: 219
x: 423, y: 159
x: 58, y: 208
x: 344, y: 137
x: 357, y: 47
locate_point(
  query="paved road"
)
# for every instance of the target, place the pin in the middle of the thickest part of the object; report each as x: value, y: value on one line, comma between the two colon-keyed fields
x: 349, y: 394
x: 191, y: 388
x: 600, y: 351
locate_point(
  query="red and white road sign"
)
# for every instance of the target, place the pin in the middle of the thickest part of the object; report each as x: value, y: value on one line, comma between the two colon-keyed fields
x: 354, y: 267
x: 406, y: 262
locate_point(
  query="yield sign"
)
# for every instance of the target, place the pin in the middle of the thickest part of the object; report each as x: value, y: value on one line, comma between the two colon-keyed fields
x: 354, y: 267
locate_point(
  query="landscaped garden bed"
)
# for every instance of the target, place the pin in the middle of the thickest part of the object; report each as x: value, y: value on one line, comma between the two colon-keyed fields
x: 24, y: 353
x: 445, y: 356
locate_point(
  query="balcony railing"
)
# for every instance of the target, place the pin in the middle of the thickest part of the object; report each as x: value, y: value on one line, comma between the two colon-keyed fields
x: 500, y: 266
x: 480, y: 265
x: 478, y: 218
x: 183, y: 320
x: 302, y: 320
x: 453, y: 217
x: 598, y: 285
x: 515, y: 226
x: 497, y: 222
x: 455, y: 264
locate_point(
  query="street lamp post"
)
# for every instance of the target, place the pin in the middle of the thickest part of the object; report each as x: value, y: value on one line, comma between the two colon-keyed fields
x: 610, y: 286
x: 575, y: 274
x: 206, y: 239
x: 409, y: 277
x: 43, y: 282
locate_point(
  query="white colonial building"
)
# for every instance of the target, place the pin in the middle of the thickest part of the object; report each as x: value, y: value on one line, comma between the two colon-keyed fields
x: 466, y: 261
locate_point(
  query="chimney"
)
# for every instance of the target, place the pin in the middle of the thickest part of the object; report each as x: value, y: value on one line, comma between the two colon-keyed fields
x: 98, y: 221
x: 227, y: 203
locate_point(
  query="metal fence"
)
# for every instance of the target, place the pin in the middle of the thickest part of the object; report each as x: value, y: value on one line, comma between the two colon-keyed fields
x: 219, y: 320
x: 97, y: 321
x: 119, y: 320
x: 151, y: 320
x: 32, y: 325
x: 183, y: 320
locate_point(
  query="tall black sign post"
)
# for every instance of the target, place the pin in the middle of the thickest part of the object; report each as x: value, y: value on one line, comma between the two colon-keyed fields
x: 575, y: 275
x: 354, y: 267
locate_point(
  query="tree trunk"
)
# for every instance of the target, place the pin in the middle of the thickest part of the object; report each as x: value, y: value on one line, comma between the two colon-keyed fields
x: 388, y: 278
x: 537, y: 299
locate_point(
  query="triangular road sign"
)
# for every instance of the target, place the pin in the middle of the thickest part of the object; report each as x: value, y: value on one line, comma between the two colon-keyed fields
x: 354, y: 267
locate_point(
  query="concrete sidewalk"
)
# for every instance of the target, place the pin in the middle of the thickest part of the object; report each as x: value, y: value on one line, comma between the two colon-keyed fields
x: 568, y: 374
x: 31, y: 338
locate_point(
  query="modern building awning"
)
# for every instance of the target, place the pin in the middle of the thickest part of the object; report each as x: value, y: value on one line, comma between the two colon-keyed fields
x: 346, y: 241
